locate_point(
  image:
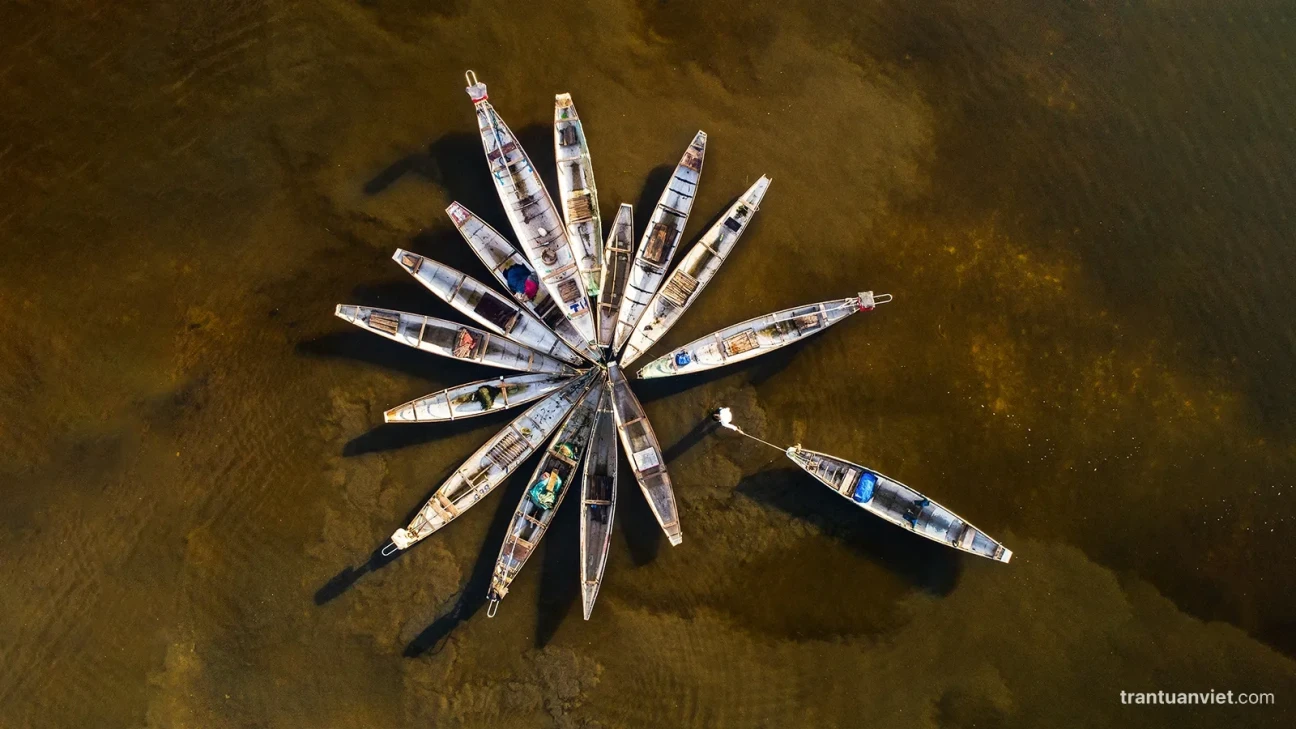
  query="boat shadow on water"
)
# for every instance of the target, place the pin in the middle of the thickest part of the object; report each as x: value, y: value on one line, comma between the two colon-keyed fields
x: 925, y: 564
x: 346, y: 579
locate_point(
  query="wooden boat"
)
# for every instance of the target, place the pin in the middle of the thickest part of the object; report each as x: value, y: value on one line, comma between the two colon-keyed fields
x: 661, y: 238
x: 481, y: 304
x: 598, y: 499
x: 491, y: 464
x: 578, y: 194
x: 536, y: 222
x: 757, y: 336
x: 548, y: 485
x: 617, y: 255
x: 693, y: 273
x: 476, y: 398
x: 897, y: 503
x: 448, y: 339
x: 645, y: 454
x: 511, y: 269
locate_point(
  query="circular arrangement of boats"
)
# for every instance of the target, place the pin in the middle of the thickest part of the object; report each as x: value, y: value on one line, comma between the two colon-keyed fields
x: 571, y: 311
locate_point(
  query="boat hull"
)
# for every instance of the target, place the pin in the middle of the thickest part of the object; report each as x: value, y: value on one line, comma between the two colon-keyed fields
x: 480, y: 303
x: 533, y: 515
x: 755, y: 337
x: 530, y: 209
x: 513, y: 271
x: 598, y: 500
x: 693, y: 273
x: 578, y: 193
x: 491, y: 464
x: 895, y: 502
x: 618, y: 254
x: 476, y: 398
x: 661, y: 238
x: 451, y: 340
x: 644, y: 453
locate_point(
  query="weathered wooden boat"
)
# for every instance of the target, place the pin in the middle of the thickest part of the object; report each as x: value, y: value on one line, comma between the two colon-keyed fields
x: 481, y: 304
x: 694, y: 271
x: 548, y: 485
x: 536, y: 222
x: 617, y: 255
x: 757, y: 336
x: 645, y: 454
x: 897, y: 503
x: 515, y: 274
x: 476, y: 398
x: 661, y: 238
x: 598, y: 499
x: 491, y: 464
x: 578, y: 193
x: 449, y: 339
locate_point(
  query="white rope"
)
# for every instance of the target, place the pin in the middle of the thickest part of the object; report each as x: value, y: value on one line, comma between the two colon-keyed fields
x: 725, y: 417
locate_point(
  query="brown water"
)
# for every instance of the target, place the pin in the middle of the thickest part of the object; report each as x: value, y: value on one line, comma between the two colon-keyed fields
x: 1082, y: 209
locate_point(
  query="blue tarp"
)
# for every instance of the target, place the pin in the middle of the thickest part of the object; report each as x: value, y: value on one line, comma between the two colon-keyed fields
x: 517, y: 275
x: 864, y: 488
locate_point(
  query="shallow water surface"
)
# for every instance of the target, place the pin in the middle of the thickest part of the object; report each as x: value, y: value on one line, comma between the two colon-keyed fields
x: 1081, y: 208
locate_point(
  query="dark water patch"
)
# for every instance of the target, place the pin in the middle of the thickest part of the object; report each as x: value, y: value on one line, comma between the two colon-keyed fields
x: 445, y: 245
x: 362, y: 346
x: 538, y: 141
x: 189, y: 398
x: 649, y: 194
x: 456, y: 163
x: 403, y: 294
x: 1171, y: 188
x: 725, y: 37
x: 704, y: 427
x: 396, y: 436
x: 925, y: 564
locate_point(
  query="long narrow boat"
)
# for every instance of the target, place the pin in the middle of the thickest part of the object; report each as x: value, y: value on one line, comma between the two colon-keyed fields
x: 693, y: 273
x: 449, y: 339
x: 757, y: 336
x: 598, y: 500
x: 476, y: 398
x: 477, y: 301
x: 578, y: 194
x: 549, y: 483
x: 492, y: 463
x: 515, y: 274
x: 617, y: 254
x: 535, y: 220
x: 661, y: 238
x: 645, y: 454
x: 897, y: 503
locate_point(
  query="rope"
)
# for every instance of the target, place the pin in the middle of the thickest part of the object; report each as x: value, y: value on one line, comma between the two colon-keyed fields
x: 725, y: 419
x: 741, y: 432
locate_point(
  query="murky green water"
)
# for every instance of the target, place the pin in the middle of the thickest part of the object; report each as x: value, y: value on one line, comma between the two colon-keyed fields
x: 1083, y: 210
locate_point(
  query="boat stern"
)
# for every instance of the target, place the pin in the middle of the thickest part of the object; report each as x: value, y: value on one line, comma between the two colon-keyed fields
x: 660, y: 367
x: 476, y: 89
x: 564, y: 110
x: 349, y: 312
x: 411, y: 262
x: 1004, y: 555
x: 868, y: 301
x: 404, y: 539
